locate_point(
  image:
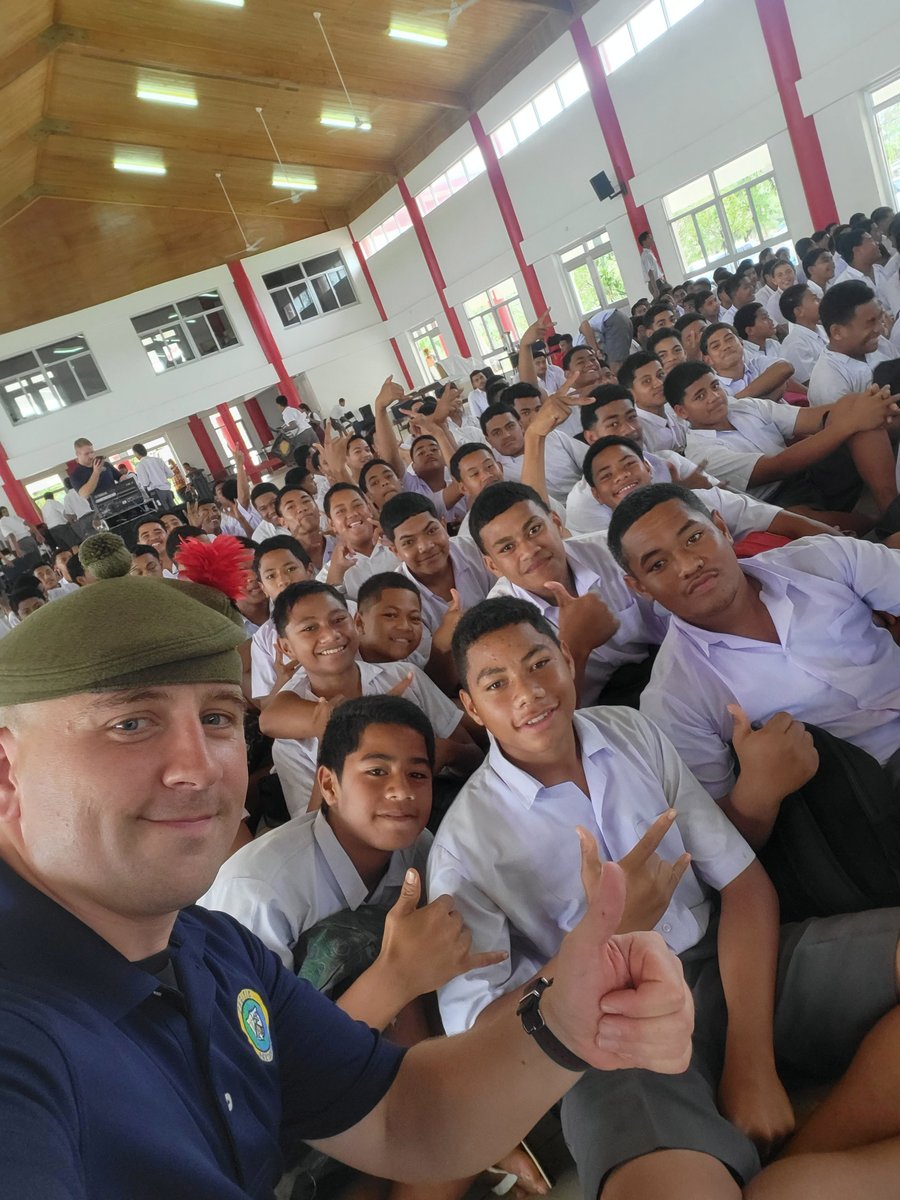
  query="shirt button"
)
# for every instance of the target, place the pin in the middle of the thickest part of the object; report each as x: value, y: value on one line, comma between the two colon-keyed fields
x: 229, y: 1101
x: 667, y: 928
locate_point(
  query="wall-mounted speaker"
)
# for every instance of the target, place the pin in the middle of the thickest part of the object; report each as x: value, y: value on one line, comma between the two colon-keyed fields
x: 603, y: 187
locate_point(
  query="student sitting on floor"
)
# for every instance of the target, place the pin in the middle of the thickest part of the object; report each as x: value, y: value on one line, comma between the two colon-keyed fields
x: 644, y: 377
x: 744, y: 443
x: 741, y: 373
x: 851, y: 317
x: 789, y: 630
x: 317, y: 633
x: 359, y: 551
x: 505, y: 431
x: 616, y: 776
x: 576, y: 585
x: 806, y: 339
x: 278, y: 562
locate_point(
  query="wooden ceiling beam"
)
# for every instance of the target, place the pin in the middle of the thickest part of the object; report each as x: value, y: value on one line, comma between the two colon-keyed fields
x: 122, y: 135
x: 265, y: 73
x: 30, y: 53
x: 12, y: 208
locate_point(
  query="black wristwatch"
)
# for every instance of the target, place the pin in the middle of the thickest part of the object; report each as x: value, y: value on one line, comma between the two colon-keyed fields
x: 529, y: 1010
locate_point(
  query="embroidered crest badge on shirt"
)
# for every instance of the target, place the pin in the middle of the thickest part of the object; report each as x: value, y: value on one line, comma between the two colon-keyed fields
x: 254, y: 1020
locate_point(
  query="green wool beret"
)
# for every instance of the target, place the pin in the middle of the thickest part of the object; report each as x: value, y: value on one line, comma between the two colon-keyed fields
x: 122, y: 633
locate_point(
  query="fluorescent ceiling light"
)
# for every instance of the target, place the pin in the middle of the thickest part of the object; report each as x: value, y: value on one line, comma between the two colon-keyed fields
x: 229, y: 3
x: 162, y: 94
x: 292, y: 183
x: 137, y: 166
x: 345, y: 123
x: 413, y: 35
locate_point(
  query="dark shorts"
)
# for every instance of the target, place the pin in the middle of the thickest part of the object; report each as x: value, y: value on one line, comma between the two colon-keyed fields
x: 836, y: 979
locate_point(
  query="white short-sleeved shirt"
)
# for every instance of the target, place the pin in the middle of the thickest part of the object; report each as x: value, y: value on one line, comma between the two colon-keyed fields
x: 53, y: 514
x: 764, y: 294
x: 728, y: 314
x: 365, y: 566
x: 286, y: 881
x: 477, y: 401
x: 773, y: 308
x: 471, y: 579
x: 265, y: 529
x: 895, y: 336
x: 563, y: 459
x: 508, y: 854
x: 553, y: 380
x: 412, y: 483
x: 15, y: 526
x: 836, y: 375
x: 153, y: 474
x: 754, y: 365
x: 832, y: 666
x: 295, y: 758
x: 883, y: 285
x: 293, y: 416
x: 760, y: 428
x: 584, y: 514
x: 75, y: 505
x: 262, y: 660
x: 233, y: 526
x: 772, y: 348
x: 666, y: 432
x: 595, y: 570
x: 650, y: 265
x: 460, y: 435
x: 803, y: 348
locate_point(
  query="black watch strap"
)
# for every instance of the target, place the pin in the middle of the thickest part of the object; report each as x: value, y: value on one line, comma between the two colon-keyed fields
x: 529, y: 1011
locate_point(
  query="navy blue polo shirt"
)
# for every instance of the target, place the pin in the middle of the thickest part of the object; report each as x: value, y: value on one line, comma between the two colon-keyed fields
x: 112, y: 1086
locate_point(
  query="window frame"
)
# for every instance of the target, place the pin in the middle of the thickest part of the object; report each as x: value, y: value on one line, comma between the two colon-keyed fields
x: 307, y: 279
x: 183, y: 321
x: 432, y: 332
x: 505, y: 138
x: 891, y: 190
x: 497, y: 355
x: 626, y: 26
x: 589, y: 259
x: 471, y: 165
x: 42, y: 365
x: 732, y: 253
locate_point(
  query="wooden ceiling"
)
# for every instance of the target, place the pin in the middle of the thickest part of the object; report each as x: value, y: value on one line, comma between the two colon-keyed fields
x: 69, y: 71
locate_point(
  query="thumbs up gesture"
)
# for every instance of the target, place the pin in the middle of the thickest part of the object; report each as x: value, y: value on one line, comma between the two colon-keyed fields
x: 618, y: 1000
x: 424, y: 948
x: 443, y: 636
x: 780, y: 755
x: 585, y: 622
x: 649, y: 880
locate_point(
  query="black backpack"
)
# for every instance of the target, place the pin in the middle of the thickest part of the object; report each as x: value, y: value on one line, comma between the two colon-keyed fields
x: 835, y: 847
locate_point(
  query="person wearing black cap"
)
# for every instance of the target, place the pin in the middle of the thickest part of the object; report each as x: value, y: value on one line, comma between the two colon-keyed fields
x: 151, y: 1049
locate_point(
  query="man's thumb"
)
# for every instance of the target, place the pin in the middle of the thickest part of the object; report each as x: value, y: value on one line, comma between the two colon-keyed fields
x: 604, y: 889
x: 561, y: 592
x: 410, y: 892
x: 742, y: 724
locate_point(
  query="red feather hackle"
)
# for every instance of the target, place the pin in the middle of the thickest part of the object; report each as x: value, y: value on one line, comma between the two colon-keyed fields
x: 221, y: 564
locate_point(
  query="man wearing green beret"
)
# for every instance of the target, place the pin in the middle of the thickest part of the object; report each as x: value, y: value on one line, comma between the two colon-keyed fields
x: 150, y: 1049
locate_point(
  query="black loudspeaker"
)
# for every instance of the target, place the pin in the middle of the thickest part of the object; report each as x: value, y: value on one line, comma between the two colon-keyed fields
x: 604, y: 189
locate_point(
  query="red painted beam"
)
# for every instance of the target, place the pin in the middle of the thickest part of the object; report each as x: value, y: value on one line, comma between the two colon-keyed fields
x: 264, y: 335
x: 258, y: 417
x: 205, y: 446
x: 609, y: 121
x: 16, y: 493
x: 779, y: 39
x: 235, y: 441
x: 431, y: 261
x: 367, y: 275
x: 508, y: 213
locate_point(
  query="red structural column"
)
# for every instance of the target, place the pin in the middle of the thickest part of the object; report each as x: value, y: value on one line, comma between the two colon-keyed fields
x: 264, y: 335
x: 235, y: 441
x: 367, y: 275
x: 609, y: 121
x: 508, y: 213
x: 258, y: 417
x: 205, y: 446
x: 779, y: 39
x: 431, y: 261
x: 16, y: 493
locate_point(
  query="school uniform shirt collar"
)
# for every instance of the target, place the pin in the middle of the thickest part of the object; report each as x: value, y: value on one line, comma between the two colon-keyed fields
x: 774, y: 594
x: 524, y: 788
x: 42, y: 940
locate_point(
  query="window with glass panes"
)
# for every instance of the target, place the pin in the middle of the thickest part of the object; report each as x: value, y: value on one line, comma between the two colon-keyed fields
x: 384, y: 233
x: 731, y: 214
x: 430, y: 347
x: 187, y: 330
x: 885, y: 103
x: 648, y: 23
x: 594, y: 274
x: 453, y: 180
x: 542, y: 109
x: 497, y: 318
x: 50, y: 378
x: 219, y: 428
x: 311, y: 289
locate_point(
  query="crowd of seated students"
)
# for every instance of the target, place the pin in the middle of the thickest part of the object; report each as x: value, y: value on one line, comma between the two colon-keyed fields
x: 649, y: 588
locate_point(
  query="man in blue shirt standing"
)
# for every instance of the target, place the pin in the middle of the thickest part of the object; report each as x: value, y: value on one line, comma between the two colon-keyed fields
x: 151, y: 1049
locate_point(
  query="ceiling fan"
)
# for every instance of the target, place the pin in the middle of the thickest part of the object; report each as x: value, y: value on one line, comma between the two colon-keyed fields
x: 295, y: 195
x: 359, y: 122
x: 452, y: 12
x: 249, y: 247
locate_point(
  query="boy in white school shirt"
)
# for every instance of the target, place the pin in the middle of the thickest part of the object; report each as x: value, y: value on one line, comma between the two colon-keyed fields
x: 278, y: 562
x: 317, y: 633
x: 818, y: 267
x: 851, y: 316
x: 504, y: 853
x: 643, y: 374
x: 806, y: 339
x: 359, y: 551
x: 740, y: 373
x: 563, y: 455
x: 790, y: 630
x: 745, y: 443
x: 574, y: 583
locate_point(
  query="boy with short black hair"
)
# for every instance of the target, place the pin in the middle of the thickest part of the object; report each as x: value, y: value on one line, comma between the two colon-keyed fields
x: 851, y: 317
x: 358, y: 551
x: 389, y: 620
x: 315, y: 630
x: 643, y: 375
x: 278, y: 562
